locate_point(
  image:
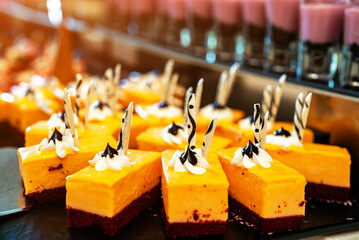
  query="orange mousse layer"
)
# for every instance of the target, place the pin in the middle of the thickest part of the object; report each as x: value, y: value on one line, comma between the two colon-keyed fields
x: 144, y: 96
x: 45, y: 170
x: 194, y: 198
x: 272, y: 192
x: 35, y: 133
x: 152, y: 139
x: 108, y: 192
x: 319, y: 163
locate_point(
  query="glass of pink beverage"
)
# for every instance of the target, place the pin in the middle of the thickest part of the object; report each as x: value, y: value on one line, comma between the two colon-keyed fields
x: 143, y: 13
x: 321, y: 24
x: 282, y: 32
x: 349, y: 72
x: 228, y: 19
x: 176, y: 26
x: 254, y: 32
x: 199, y: 22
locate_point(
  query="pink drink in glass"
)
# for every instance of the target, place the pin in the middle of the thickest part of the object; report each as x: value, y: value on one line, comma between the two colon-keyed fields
x: 320, y: 33
x: 228, y: 19
x: 349, y: 70
x: 282, y: 32
x: 254, y: 31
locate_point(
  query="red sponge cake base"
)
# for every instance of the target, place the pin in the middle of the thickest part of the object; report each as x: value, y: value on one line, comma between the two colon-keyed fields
x: 265, y: 225
x: 326, y: 192
x: 49, y: 195
x: 110, y: 226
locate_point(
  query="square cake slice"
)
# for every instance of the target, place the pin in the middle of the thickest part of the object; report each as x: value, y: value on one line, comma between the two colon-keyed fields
x: 194, y: 204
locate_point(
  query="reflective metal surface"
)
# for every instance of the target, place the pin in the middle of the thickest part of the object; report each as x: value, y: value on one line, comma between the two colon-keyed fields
x: 12, y: 199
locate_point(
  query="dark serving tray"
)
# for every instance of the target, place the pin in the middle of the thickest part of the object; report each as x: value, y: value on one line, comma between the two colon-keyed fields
x: 49, y: 220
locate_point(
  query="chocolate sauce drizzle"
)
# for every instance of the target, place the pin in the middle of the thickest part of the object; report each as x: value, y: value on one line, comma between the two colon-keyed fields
x: 109, y: 151
x: 56, y: 135
x: 217, y: 105
x: 163, y: 104
x: 29, y: 92
x: 250, y: 149
x: 174, y: 128
x: 101, y: 105
x: 282, y: 132
x: 190, y: 156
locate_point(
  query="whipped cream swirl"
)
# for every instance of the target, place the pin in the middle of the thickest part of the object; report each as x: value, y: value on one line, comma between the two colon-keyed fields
x: 174, y: 133
x: 57, y: 120
x: 251, y: 156
x: 221, y: 112
x: 162, y: 112
x: 190, y: 161
x: 56, y: 141
x: 111, y: 159
x: 99, y: 111
x: 283, y: 138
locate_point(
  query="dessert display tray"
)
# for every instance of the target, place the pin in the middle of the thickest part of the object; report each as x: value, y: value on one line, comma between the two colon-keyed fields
x: 49, y: 220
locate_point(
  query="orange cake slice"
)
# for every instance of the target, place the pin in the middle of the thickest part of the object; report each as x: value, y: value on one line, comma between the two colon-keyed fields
x: 257, y: 184
x: 44, y: 167
x: 113, y: 197
x: 116, y: 188
x: 326, y: 167
x: 194, y: 186
x: 256, y: 194
x: 30, y: 105
x: 44, y: 172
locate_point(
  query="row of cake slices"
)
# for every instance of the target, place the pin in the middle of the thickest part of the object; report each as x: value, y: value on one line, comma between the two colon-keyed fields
x: 256, y: 183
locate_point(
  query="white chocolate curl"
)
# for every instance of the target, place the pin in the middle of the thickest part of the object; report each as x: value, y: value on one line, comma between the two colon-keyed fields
x: 276, y: 98
x: 69, y: 116
x: 124, y: 135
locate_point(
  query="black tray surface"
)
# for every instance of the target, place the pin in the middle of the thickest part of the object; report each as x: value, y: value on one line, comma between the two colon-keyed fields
x: 49, y: 220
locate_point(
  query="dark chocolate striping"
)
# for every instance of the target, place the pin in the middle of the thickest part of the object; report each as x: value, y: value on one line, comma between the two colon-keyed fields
x: 193, y: 122
x: 297, y: 131
x: 120, y: 142
x: 210, y: 127
x: 258, y: 109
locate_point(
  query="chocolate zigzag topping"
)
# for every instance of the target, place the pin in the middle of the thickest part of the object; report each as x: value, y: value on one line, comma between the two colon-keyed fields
x: 192, y: 123
x: 250, y: 149
x: 190, y: 156
x: 109, y: 151
x: 173, y: 128
x: 282, y: 132
x: 217, y: 105
x: 102, y: 105
x: 163, y: 104
x: 56, y: 135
